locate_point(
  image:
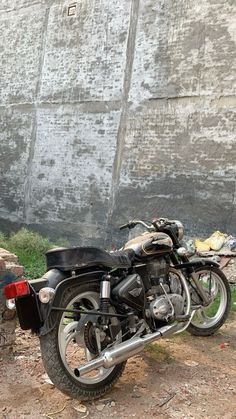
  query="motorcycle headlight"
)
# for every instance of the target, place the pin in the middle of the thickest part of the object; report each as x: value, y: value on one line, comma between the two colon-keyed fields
x: 180, y: 229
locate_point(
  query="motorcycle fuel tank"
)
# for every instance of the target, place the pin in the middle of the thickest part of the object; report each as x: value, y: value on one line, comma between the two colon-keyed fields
x: 150, y: 244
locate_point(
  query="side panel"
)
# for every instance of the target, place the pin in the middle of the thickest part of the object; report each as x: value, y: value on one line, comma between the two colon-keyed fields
x: 131, y: 291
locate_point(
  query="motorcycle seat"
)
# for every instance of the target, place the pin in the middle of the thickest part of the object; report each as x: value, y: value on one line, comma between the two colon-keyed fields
x: 67, y: 259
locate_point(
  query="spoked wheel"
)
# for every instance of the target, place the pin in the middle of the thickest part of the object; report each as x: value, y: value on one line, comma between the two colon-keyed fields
x: 209, y: 319
x: 74, y: 342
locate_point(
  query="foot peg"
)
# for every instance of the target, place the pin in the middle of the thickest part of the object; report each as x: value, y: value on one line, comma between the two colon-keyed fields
x: 182, y: 318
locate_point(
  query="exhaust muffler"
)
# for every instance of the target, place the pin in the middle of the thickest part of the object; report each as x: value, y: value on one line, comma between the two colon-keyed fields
x: 125, y: 350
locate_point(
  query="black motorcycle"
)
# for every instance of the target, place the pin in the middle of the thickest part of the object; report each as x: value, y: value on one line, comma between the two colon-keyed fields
x: 94, y: 309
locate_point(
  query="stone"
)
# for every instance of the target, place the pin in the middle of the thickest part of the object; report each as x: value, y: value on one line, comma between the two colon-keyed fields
x: 7, y: 256
x: 9, y: 272
x: 15, y: 269
x: 100, y: 407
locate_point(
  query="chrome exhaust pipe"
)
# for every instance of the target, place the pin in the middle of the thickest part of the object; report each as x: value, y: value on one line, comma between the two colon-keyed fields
x: 133, y: 346
x: 125, y: 350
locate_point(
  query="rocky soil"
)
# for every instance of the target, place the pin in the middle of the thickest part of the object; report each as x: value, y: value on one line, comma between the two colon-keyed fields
x: 180, y: 377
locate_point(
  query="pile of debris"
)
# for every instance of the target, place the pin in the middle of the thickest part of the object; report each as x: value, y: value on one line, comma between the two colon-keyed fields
x: 9, y: 272
x: 217, y: 244
x: 220, y: 247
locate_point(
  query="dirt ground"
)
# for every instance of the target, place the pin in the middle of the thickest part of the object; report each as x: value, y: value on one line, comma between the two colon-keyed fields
x: 180, y: 377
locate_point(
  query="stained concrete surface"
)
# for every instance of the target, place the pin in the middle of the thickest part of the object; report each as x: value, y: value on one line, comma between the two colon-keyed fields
x: 125, y: 109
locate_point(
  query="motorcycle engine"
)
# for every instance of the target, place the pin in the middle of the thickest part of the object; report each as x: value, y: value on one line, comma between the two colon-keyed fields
x: 164, y: 296
x: 166, y: 307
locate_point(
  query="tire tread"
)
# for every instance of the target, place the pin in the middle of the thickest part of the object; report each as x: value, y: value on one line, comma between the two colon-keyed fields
x: 197, y: 331
x: 59, y: 374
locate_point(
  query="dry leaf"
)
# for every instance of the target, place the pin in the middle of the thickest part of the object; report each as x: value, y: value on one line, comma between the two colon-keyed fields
x: 191, y: 363
x: 100, y: 407
x: 80, y: 408
x: 48, y: 381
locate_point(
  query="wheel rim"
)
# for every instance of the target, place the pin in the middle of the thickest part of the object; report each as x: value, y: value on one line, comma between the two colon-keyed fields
x: 72, y: 348
x: 209, y: 316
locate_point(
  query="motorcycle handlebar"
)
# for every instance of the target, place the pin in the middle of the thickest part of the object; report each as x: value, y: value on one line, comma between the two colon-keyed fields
x: 133, y: 223
x: 155, y: 225
x: 124, y: 226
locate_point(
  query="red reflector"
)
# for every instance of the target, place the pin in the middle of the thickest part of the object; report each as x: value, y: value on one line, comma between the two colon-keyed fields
x: 16, y: 289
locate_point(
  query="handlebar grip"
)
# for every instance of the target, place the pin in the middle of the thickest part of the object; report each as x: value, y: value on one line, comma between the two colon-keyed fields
x: 130, y: 224
x: 124, y: 226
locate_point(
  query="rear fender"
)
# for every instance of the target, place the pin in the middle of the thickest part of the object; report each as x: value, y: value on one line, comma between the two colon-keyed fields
x: 31, y: 312
x: 50, y: 315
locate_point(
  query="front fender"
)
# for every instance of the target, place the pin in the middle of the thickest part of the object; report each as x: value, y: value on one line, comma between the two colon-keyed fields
x: 50, y: 316
x: 196, y: 263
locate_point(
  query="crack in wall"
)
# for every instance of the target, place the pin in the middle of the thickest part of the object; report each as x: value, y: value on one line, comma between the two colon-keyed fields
x: 229, y: 219
x: 107, y: 106
x: 28, y: 181
x: 130, y: 52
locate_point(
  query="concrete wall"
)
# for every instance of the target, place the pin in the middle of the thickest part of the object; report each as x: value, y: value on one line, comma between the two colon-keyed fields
x: 126, y: 108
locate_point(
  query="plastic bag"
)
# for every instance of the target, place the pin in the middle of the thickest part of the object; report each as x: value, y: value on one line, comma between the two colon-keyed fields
x: 201, y: 246
x: 190, y: 246
x: 216, y: 240
x: 230, y: 243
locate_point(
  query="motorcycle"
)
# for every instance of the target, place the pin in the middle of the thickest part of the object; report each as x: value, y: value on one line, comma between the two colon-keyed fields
x: 94, y: 309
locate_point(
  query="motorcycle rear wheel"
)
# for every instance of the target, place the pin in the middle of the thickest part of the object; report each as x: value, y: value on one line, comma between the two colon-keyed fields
x: 208, y: 320
x: 64, y: 349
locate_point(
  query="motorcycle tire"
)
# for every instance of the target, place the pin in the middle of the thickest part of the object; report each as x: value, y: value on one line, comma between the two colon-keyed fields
x: 208, y: 325
x: 53, y: 347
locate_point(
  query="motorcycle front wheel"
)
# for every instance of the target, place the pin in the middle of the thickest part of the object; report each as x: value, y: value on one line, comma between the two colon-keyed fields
x: 73, y: 342
x: 207, y: 320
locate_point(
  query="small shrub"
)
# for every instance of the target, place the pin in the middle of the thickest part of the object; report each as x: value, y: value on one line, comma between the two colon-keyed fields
x: 3, y: 240
x: 233, y: 297
x: 29, y: 241
x: 30, y: 248
x: 157, y: 352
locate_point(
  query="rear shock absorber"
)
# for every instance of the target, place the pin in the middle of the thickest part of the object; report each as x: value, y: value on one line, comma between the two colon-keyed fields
x: 105, y: 291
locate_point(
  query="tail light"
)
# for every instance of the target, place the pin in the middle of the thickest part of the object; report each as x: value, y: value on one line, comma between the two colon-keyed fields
x: 46, y: 294
x: 16, y: 289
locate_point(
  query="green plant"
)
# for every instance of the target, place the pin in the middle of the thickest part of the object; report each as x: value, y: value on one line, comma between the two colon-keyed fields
x: 30, y: 248
x: 3, y: 240
x: 233, y: 296
x: 214, y: 306
x: 157, y: 352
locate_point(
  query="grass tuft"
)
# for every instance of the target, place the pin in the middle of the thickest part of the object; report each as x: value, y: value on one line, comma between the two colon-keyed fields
x: 233, y: 297
x: 30, y: 248
x: 158, y: 352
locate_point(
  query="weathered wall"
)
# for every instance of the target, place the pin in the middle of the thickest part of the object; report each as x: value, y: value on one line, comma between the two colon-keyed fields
x: 126, y: 108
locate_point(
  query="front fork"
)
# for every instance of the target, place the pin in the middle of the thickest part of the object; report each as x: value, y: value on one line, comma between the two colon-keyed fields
x: 201, y: 291
x: 177, y: 260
